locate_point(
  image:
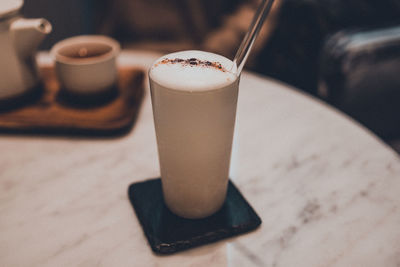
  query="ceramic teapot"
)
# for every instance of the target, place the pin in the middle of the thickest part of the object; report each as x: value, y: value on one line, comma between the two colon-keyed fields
x: 19, y: 39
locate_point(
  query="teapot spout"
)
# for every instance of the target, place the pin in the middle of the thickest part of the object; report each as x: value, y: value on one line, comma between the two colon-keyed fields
x: 28, y: 34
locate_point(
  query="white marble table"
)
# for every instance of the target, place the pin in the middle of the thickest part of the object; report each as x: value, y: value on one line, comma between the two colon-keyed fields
x: 327, y: 190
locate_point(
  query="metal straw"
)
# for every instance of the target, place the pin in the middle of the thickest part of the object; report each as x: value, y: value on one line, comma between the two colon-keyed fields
x: 251, y: 35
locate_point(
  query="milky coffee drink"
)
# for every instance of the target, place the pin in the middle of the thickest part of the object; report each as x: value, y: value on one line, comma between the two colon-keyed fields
x: 194, y: 100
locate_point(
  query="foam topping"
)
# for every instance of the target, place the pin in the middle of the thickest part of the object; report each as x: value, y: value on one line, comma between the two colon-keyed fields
x: 192, y: 71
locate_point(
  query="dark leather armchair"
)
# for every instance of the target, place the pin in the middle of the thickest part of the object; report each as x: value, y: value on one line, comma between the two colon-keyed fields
x: 346, y: 52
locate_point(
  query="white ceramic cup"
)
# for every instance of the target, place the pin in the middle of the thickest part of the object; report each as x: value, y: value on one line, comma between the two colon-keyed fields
x: 86, y: 64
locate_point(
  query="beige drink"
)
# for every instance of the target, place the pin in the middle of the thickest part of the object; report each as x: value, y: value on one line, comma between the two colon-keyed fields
x: 194, y: 99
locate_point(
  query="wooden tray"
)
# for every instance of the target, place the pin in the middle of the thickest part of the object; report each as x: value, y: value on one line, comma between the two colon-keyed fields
x: 48, y: 111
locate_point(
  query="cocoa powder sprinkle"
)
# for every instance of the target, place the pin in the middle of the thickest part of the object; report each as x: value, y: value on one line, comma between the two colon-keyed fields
x: 193, y: 62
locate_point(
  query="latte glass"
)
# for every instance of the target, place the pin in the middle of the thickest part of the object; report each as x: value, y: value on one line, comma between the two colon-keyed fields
x: 194, y: 99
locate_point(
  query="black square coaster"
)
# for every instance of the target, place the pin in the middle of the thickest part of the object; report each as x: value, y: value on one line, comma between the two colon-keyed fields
x: 168, y: 233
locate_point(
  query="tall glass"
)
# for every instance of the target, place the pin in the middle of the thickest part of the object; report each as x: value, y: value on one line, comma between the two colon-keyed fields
x: 194, y: 98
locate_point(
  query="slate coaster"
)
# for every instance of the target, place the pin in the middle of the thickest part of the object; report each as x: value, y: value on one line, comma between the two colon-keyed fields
x: 168, y: 233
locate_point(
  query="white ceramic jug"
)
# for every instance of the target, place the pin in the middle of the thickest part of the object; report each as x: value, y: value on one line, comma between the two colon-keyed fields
x: 19, y: 39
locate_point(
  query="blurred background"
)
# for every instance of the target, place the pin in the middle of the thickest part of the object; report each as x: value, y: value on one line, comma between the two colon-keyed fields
x: 345, y: 52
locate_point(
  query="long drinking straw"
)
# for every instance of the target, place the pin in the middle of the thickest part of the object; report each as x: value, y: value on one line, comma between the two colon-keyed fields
x: 251, y: 35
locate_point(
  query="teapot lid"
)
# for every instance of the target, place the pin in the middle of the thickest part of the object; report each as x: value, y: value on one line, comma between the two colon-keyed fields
x: 9, y: 7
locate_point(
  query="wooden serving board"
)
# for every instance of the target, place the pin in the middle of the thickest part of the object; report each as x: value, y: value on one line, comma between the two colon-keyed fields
x: 48, y: 113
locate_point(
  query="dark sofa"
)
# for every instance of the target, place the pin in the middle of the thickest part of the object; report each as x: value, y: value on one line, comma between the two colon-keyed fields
x: 312, y: 48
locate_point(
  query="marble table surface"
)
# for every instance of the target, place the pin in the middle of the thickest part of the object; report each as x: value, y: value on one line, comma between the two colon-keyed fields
x: 327, y: 190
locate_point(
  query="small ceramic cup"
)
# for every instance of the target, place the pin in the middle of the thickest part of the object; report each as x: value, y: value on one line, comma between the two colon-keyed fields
x: 86, y: 64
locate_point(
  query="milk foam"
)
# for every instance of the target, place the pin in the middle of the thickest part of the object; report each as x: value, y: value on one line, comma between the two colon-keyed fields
x: 187, y: 77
